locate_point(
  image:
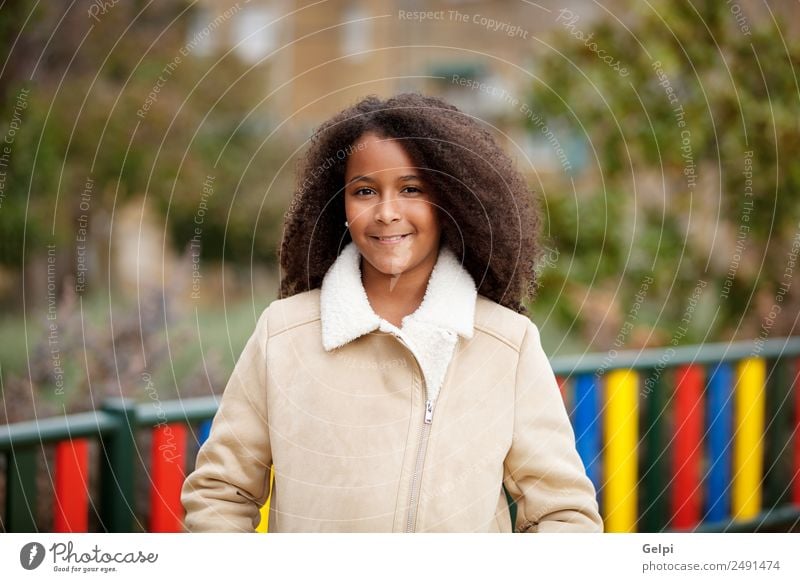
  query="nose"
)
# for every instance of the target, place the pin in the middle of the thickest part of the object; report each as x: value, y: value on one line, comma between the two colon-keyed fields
x: 388, y: 210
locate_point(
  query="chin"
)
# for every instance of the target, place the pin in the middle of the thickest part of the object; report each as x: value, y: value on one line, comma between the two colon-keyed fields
x: 390, y: 266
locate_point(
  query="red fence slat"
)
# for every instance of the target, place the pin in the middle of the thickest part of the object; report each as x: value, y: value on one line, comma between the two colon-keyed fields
x: 562, y: 387
x: 71, y: 495
x: 796, y: 428
x: 168, y: 462
x: 688, y: 446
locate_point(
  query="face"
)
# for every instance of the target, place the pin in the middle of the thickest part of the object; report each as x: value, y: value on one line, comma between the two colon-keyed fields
x: 391, y: 210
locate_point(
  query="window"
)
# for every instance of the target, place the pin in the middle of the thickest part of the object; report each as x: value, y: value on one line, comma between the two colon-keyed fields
x: 356, y: 32
x: 254, y: 33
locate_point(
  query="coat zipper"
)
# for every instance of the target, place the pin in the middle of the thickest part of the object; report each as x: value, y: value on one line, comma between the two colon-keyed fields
x: 422, y: 446
x: 424, y: 433
x: 416, y: 478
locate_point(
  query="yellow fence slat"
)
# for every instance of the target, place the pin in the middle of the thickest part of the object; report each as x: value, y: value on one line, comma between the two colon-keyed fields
x: 620, y: 463
x: 264, y: 525
x: 748, y: 440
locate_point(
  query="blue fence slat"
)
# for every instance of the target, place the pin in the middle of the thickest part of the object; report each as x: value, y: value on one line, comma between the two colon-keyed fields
x: 720, y: 442
x: 203, y: 432
x: 586, y: 421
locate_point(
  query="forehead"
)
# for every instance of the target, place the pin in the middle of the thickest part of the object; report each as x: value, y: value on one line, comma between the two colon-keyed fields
x: 373, y: 154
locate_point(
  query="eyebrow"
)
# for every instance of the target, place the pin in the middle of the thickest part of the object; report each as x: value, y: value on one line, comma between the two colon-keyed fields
x: 406, y: 178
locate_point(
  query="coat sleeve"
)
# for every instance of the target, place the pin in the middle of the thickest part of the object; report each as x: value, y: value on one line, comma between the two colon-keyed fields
x: 543, y: 471
x: 230, y: 482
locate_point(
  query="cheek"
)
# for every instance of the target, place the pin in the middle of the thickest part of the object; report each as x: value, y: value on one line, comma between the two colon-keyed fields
x: 355, y: 213
x: 424, y: 216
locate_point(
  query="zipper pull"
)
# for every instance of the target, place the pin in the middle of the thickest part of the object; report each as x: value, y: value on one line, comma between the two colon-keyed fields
x: 428, y: 411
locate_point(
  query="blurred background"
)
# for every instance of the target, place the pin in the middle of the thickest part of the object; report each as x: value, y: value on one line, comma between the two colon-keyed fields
x: 148, y: 153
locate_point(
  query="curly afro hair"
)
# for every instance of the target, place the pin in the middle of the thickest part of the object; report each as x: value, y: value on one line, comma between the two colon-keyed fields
x: 489, y: 216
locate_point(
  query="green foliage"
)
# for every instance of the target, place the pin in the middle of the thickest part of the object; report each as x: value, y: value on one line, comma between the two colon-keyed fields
x: 700, y: 94
x: 589, y: 228
x: 88, y: 117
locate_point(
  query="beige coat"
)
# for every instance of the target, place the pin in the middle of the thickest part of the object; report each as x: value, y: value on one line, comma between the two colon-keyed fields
x: 375, y: 428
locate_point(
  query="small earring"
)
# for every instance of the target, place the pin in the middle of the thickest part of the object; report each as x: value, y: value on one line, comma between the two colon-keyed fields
x: 346, y: 224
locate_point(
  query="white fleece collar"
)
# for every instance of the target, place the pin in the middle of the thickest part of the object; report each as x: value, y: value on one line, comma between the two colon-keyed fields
x: 431, y: 332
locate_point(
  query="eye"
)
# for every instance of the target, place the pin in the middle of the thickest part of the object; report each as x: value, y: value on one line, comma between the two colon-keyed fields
x: 362, y: 192
x: 412, y: 190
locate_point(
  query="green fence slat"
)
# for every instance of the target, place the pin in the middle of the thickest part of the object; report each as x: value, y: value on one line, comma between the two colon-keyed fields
x: 778, y: 435
x: 117, y: 454
x: 21, y: 491
x: 654, y: 495
x: 512, y: 508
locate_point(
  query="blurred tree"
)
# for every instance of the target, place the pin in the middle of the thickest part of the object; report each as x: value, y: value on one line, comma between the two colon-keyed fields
x: 92, y: 114
x: 680, y: 103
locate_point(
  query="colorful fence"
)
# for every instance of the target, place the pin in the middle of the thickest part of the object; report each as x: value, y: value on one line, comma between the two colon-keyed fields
x: 698, y: 438
x: 121, y: 462
x: 691, y: 438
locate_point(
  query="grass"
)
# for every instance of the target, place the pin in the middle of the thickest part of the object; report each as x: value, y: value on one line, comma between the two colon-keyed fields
x: 13, y: 354
x: 215, y: 338
x: 201, y: 346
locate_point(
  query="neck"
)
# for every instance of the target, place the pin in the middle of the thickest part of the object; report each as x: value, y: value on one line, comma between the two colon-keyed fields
x: 392, y: 297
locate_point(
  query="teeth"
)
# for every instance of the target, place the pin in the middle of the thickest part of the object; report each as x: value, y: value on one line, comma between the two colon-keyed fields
x: 398, y: 237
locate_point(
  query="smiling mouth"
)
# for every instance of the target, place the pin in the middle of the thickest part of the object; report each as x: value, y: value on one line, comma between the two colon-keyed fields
x: 391, y: 239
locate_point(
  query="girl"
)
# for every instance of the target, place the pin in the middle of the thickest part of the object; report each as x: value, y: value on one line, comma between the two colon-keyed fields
x: 397, y: 385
